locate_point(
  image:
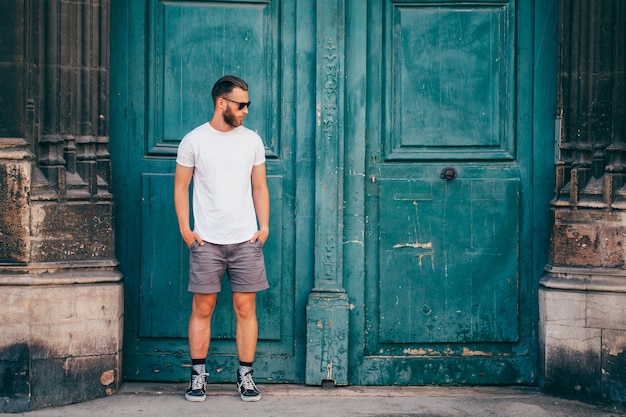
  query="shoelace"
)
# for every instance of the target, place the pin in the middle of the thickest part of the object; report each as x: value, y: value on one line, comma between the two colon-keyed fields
x: 248, y: 383
x: 198, y: 381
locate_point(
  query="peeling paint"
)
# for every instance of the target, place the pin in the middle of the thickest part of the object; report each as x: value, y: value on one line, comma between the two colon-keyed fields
x: 318, y: 114
x: 467, y: 352
x: 421, y: 352
x: 416, y: 245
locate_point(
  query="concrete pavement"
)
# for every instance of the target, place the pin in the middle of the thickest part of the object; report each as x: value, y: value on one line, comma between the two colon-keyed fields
x: 167, y: 400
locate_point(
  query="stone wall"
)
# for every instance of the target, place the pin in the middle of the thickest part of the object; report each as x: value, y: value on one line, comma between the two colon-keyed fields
x: 60, y: 343
x: 61, y: 296
x: 61, y: 320
x: 582, y: 297
x: 582, y: 307
x: 583, y: 336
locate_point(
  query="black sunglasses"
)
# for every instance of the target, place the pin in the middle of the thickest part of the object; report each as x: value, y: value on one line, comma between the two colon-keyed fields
x: 241, y: 105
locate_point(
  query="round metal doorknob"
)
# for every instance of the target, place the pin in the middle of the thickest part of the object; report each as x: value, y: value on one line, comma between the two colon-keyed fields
x: 448, y: 173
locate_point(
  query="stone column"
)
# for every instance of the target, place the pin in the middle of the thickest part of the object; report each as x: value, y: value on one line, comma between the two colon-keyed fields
x: 61, y: 321
x: 582, y: 297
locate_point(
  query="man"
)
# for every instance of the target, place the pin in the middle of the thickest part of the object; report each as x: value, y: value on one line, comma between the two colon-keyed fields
x: 231, y: 223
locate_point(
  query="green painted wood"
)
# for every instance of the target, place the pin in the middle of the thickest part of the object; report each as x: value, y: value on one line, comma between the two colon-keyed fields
x: 327, y: 338
x: 450, y: 273
x: 358, y: 123
x: 164, y: 276
x: 327, y: 308
x: 450, y: 91
x: 446, y: 289
x: 165, y: 58
x: 328, y: 145
x: 163, y: 263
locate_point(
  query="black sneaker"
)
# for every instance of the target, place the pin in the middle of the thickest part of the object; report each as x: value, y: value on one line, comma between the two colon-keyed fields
x: 197, y: 387
x: 247, y: 388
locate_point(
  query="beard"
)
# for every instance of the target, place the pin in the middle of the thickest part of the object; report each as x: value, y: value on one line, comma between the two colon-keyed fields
x: 232, y: 120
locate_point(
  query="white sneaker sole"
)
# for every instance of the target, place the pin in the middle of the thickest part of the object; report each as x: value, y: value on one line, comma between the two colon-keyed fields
x: 250, y: 399
x: 195, y: 399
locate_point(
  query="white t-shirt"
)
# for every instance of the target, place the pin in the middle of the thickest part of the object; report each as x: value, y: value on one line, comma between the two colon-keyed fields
x: 223, y: 210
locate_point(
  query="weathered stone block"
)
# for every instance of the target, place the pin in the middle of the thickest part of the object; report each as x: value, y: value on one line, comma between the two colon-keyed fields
x: 582, y: 355
x: 562, y: 308
x: 14, y: 308
x: 72, y: 232
x: 573, y: 362
x: 614, y: 366
x: 54, y: 305
x: 14, y: 210
x: 61, y: 344
x: 70, y: 380
x: 13, y: 334
x: 588, y: 239
x: 606, y: 310
x: 14, y: 377
x: 577, y: 339
x: 71, y: 302
x: 109, y: 304
x: 75, y: 338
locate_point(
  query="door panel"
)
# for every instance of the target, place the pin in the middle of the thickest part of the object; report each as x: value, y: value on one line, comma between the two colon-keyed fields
x: 442, y: 272
x: 450, y: 84
x: 450, y: 273
x: 192, y: 41
x: 164, y: 274
x: 172, y: 53
x: 162, y: 263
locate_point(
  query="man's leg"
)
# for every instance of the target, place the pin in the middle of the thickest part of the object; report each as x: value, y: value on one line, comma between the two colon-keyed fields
x: 244, y: 304
x: 199, y: 330
x: 199, y: 333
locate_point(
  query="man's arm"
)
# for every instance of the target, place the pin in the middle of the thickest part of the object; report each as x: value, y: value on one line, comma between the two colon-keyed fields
x: 261, y: 198
x: 182, y: 179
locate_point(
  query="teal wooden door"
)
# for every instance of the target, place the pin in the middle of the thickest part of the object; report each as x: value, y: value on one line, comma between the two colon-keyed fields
x: 446, y: 195
x: 166, y: 55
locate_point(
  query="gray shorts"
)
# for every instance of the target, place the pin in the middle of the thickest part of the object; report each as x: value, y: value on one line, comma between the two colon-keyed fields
x: 244, y: 263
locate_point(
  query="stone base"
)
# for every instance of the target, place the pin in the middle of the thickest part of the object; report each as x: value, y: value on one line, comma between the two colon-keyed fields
x: 583, y: 334
x: 60, y: 340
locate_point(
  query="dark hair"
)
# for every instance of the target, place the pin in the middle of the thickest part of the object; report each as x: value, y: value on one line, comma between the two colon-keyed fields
x: 225, y: 85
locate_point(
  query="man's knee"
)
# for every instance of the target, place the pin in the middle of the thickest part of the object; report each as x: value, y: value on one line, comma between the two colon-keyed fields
x: 246, y: 313
x: 245, y: 306
x: 203, y: 305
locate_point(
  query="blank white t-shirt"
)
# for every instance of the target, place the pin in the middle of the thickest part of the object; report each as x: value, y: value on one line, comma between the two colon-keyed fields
x: 223, y: 209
